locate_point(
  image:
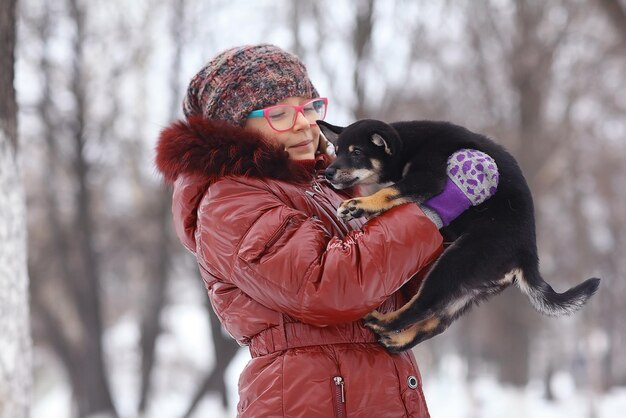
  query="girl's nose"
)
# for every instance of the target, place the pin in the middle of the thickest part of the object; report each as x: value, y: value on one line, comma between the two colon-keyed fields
x: 301, y: 121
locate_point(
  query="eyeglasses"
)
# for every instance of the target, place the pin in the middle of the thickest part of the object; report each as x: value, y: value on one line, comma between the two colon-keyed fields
x: 283, y: 117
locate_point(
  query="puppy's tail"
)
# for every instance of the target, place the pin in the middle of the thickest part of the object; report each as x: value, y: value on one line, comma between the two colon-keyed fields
x: 547, y: 301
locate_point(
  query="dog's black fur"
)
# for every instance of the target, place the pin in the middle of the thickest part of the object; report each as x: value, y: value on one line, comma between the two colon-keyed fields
x: 494, y: 242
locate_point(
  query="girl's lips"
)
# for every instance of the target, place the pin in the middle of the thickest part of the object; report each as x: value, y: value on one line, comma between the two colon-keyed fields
x: 302, y: 144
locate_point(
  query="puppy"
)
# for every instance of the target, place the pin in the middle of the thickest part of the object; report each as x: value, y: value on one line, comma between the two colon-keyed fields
x: 494, y: 242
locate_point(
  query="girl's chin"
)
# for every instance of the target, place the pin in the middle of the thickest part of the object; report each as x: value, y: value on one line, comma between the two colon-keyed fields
x: 304, y: 154
x: 300, y: 157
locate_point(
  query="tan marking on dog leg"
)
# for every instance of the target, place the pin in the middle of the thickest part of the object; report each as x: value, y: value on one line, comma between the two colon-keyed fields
x: 429, y: 324
x: 375, y: 204
x: 384, y: 319
x: 384, y: 199
x: 400, y: 339
x: 373, y: 314
x: 405, y: 337
x: 392, y: 316
x: 380, y: 201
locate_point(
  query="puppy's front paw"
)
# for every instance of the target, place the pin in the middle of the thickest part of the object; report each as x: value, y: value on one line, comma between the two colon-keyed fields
x: 373, y: 322
x: 393, y: 342
x: 350, y: 209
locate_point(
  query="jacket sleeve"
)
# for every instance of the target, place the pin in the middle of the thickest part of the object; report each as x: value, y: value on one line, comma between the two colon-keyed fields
x: 287, y: 260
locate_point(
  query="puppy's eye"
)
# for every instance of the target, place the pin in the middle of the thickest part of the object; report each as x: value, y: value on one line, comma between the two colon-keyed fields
x: 356, y: 151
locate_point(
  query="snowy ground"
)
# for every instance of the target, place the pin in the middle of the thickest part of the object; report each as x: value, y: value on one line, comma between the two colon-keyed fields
x: 184, y: 353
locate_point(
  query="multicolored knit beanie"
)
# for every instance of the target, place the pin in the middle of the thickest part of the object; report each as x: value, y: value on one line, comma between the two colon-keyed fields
x: 243, y: 79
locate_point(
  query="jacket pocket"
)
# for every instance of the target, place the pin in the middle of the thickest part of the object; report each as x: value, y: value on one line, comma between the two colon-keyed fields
x: 339, y: 397
x: 258, y: 242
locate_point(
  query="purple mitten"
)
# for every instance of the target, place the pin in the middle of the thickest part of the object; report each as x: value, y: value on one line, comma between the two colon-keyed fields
x: 472, y: 178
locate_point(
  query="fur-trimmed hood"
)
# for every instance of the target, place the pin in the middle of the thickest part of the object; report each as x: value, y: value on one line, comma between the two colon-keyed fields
x: 192, y: 154
x: 213, y: 149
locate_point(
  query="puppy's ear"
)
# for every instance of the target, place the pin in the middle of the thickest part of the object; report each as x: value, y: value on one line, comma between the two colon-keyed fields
x: 379, y: 141
x: 331, y: 132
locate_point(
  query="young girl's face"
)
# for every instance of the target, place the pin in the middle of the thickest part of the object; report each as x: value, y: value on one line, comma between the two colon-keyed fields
x: 300, y: 141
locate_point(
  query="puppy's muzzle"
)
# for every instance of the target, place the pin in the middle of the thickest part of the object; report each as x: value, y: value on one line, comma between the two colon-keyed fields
x: 330, y: 173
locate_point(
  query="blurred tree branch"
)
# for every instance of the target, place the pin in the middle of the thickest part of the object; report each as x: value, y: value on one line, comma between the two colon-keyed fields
x: 615, y: 11
x: 361, y: 47
x: 8, y: 103
x: 156, y: 296
x: 15, y: 339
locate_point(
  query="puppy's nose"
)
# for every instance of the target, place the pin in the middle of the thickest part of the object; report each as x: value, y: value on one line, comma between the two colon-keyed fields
x: 330, y: 173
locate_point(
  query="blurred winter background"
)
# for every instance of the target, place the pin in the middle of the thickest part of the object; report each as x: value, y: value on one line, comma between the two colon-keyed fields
x: 120, y: 321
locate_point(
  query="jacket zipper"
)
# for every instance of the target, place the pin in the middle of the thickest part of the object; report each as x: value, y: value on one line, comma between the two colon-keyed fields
x: 278, y: 233
x: 339, y: 397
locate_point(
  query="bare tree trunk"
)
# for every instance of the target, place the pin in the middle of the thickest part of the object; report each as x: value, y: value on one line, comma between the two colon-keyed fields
x: 616, y: 13
x: 8, y: 104
x: 547, y: 383
x: 298, y: 9
x: 156, y: 299
x: 15, y: 341
x: 88, y: 371
x: 527, y: 78
x: 611, y: 304
x: 361, y: 44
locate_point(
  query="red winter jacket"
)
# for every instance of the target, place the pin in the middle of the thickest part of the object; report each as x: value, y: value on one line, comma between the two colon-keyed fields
x: 290, y: 280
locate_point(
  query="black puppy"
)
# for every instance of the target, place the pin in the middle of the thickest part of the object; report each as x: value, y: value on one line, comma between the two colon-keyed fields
x: 494, y: 242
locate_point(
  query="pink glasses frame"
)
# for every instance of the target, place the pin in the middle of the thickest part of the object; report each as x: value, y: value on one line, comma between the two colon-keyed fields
x: 299, y: 109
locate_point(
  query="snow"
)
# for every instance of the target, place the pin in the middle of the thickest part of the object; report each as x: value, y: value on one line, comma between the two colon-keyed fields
x: 184, y: 354
x: 487, y: 398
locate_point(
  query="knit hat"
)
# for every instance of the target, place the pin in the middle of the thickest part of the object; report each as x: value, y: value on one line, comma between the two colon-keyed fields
x: 242, y: 79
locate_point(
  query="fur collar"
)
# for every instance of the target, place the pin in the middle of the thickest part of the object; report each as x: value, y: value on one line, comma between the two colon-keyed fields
x: 213, y: 149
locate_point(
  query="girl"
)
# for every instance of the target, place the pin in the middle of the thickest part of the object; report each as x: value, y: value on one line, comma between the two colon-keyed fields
x: 285, y: 276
